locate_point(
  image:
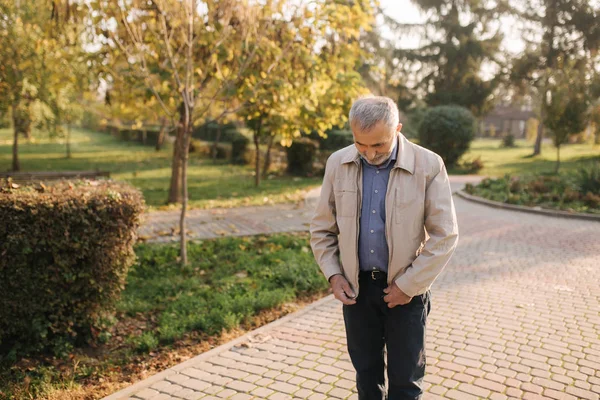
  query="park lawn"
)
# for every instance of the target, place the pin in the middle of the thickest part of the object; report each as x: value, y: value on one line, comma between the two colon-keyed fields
x: 209, y: 185
x: 168, y: 314
x: 500, y: 161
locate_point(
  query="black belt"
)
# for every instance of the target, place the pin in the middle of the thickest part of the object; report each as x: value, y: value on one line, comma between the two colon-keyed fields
x: 375, y: 275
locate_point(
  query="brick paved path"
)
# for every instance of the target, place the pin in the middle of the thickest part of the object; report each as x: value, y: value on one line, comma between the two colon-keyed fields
x: 163, y: 226
x: 516, y: 314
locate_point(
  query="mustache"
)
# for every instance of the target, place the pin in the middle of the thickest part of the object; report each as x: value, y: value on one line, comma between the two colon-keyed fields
x: 377, y: 157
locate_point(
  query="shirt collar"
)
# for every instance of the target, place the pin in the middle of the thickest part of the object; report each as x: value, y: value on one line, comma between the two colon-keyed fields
x: 405, y: 158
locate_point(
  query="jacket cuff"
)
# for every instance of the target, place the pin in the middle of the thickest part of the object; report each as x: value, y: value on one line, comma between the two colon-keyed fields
x: 330, y: 270
x: 408, y: 288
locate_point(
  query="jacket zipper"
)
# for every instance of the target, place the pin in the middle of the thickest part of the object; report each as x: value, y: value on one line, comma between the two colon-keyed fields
x: 389, y: 211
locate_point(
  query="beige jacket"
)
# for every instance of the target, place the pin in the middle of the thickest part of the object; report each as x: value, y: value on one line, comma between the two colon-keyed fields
x: 421, y: 228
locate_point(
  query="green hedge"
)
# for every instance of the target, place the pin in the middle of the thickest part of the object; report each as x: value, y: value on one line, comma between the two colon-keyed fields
x: 301, y: 157
x: 336, y: 139
x: 66, y: 249
x: 147, y: 137
x: 209, y: 132
x: 239, y: 150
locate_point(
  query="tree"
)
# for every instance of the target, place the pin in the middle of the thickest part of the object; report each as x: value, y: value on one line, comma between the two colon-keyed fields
x: 20, y: 56
x: 39, y: 60
x: 459, y: 39
x: 311, y: 87
x: 379, y: 68
x: 569, y: 31
x: 196, y: 54
x: 566, y: 111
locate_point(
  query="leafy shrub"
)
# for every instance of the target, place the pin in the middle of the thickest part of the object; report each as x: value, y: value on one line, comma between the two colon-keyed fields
x: 200, y: 148
x: 66, y: 249
x: 210, y: 131
x: 239, y: 148
x: 301, y: 156
x: 508, y: 140
x: 473, y: 166
x: 448, y: 131
x: 336, y: 139
x: 558, y: 192
x: 588, y: 179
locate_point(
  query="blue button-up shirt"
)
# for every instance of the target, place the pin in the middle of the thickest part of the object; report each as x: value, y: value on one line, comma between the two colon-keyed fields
x: 373, y: 252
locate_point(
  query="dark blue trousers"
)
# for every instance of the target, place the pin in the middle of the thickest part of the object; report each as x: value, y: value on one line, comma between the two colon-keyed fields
x: 371, y: 326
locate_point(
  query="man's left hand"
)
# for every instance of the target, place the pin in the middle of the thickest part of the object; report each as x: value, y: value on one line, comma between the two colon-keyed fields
x: 395, y: 297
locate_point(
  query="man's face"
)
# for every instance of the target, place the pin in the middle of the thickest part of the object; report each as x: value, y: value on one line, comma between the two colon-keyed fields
x: 375, y: 145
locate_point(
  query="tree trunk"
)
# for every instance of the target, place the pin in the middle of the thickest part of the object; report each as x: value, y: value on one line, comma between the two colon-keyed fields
x: 213, y: 149
x: 15, y: 161
x: 184, y: 187
x: 557, y: 158
x: 175, y: 187
x: 257, y: 152
x: 161, y: 134
x: 68, y: 140
x: 537, y: 148
x: 268, y: 156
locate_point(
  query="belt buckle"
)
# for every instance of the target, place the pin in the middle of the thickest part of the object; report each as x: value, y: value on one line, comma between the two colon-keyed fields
x: 373, y: 274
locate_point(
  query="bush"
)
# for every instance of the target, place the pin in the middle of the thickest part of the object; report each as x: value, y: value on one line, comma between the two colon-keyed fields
x: 223, y: 151
x: 152, y: 136
x: 474, y: 166
x: 556, y: 192
x: 239, y: 148
x: 301, y: 155
x: 508, y: 140
x: 414, y: 117
x: 209, y: 132
x: 199, y: 148
x: 336, y: 139
x: 66, y: 249
x: 448, y: 131
x: 588, y: 179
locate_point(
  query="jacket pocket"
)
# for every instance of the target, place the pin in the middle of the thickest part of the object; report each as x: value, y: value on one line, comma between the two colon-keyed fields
x: 345, y: 198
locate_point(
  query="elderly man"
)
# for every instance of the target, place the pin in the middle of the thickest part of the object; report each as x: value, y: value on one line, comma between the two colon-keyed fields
x: 383, y: 230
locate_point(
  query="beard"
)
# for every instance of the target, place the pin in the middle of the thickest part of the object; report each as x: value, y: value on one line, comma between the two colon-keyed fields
x: 379, y: 159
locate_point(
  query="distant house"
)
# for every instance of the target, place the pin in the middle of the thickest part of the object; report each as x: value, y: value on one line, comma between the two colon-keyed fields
x: 505, y: 120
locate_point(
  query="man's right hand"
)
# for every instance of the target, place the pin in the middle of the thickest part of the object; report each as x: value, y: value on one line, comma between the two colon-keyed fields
x: 342, y: 290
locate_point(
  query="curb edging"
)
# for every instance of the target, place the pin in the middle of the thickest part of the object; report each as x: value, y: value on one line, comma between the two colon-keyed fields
x: 540, y: 211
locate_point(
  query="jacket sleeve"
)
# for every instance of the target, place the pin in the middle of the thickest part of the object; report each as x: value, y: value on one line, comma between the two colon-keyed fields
x: 442, y: 228
x: 324, y: 230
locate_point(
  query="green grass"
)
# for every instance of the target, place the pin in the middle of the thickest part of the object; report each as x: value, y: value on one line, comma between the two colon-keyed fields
x: 225, y: 185
x: 210, y: 185
x: 499, y: 161
x: 228, y: 282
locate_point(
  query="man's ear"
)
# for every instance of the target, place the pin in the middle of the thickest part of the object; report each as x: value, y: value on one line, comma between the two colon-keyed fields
x: 399, y: 128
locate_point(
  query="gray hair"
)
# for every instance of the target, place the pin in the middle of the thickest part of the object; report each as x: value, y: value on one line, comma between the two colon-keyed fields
x: 368, y: 111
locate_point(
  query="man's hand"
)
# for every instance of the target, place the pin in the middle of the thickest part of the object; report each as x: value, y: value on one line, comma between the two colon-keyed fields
x: 395, y: 297
x: 342, y: 290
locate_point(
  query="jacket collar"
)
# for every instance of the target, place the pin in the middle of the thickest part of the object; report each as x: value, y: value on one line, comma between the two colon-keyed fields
x: 404, y: 160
